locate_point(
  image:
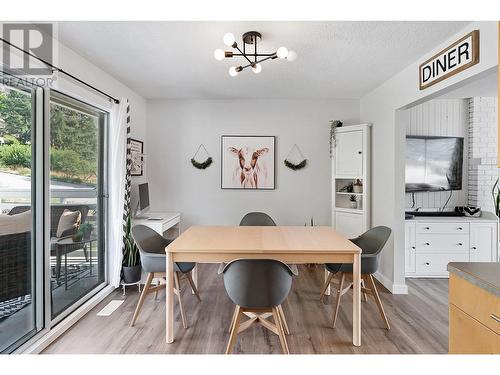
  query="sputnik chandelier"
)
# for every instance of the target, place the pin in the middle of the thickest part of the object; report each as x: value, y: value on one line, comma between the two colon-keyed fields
x: 254, y: 58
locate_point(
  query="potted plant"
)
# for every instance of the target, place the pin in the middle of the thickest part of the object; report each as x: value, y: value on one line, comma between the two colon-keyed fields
x: 78, y: 236
x: 347, y: 188
x: 353, y: 201
x: 495, y: 192
x: 131, y: 260
x: 334, y: 124
x: 86, y: 229
x: 357, y: 187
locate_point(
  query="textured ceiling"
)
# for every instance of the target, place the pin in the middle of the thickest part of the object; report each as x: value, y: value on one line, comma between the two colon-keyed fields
x: 175, y: 59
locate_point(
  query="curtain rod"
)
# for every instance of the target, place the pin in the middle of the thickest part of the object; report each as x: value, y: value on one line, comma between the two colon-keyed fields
x: 62, y: 71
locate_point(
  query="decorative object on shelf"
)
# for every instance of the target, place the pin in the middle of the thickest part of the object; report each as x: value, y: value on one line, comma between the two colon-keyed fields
x: 254, y: 58
x: 357, y: 187
x: 292, y: 165
x: 204, y: 164
x: 495, y: 192
x: 137, y: 156
x: 131, y: 260
x: 469, y: 211
x: 334, y: 124
x: 349, y: 188
x: 248, y: 162
x: 353, y: 201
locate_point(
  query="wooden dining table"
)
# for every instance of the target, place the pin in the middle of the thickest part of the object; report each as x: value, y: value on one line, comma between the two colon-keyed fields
x: 293, y: 245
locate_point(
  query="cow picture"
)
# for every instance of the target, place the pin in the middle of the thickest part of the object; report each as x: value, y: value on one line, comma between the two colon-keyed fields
x: 247, y: 162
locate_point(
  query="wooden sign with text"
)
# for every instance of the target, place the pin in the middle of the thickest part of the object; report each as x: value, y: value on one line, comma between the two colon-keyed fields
x: 461, y: 55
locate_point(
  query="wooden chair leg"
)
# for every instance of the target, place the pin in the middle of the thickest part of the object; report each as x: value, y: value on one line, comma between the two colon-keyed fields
x: 234, y: 329
x: 142, y: 298
x: 365, y: 299
x: 325, y: 287
x: 177, y: 286
x: 283, y: 319
x: 373, y: 287
x: 193, y: 286
x: 339, y: 294
x: 281, y: 332
x: 156, y: 293
x: 233, y: 319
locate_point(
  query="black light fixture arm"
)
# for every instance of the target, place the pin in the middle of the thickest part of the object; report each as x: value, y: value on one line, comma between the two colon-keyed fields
x: 57, y: 69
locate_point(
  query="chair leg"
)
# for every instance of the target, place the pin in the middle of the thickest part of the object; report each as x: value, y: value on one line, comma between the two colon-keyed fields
x: 283, y: 319
x: 156, y: 293
x: 365, y: 299
x: 281, y: 332
x: 177, y: 286
x: 339, y: 294
x: 193, y: 286
x: 373, y: 287
x: 234, y: 329
x: 86, y: 253
x: 233, y: 320
x: 325, y: 287
x: 142, y: 298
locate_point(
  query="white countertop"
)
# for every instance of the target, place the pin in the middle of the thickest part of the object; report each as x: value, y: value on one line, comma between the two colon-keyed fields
x: 485, y: 216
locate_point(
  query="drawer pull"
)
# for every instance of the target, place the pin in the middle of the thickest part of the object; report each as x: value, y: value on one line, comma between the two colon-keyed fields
x: 427, y: 243
x: 460, y: 244
x: 427, y: 263
x: 427, y: 228
x: 474, y: 248
x: 459, y: 228
x: 495, y: 318
x: 413, y: 247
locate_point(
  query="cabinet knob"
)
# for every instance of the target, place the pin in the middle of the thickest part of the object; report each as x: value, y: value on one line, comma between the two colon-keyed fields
x: 427, y: 243
x: 427, y: 263
x: 360, y: 152
x: 413, y: 247
x: 460, y: 244
x: 459, y: 228
x: 474, y: 248
x: 427, y: 228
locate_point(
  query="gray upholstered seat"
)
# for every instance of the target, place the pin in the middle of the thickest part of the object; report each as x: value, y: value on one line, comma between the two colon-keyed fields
x: 371, y: 243
x: 257, y: 219
x: 152, y: 251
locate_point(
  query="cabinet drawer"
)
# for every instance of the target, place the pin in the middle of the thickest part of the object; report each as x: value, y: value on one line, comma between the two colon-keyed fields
x: 465, y: 295
x: 435, y: 264
x: 443, y: 228
x: 468, y: 336
x: 442, y: 243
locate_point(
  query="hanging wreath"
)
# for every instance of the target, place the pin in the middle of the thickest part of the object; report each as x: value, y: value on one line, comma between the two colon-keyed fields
x: 204, y: 164
x: 295, y: 166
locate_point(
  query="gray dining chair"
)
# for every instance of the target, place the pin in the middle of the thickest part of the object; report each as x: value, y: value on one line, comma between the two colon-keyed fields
x: 257, y: 287
x: 259, y: 219
x: 153, y: 260
x: 371, y: 243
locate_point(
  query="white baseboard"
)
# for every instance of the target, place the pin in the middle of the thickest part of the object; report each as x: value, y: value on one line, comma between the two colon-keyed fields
x: 67, y: 323
x: 393, y: 288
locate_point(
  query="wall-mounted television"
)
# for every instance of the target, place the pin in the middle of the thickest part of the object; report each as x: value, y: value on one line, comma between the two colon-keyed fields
x: 433, y: 163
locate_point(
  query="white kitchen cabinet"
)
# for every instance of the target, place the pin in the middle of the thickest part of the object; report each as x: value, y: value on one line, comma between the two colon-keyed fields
x: 483, y: 240
x: 349, y: 153
x: 410, y: 247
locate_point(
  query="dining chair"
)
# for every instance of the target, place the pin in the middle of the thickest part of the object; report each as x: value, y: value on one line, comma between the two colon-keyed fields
x: 371, y: 243
x: 257, y: 287
x: 153, y: 260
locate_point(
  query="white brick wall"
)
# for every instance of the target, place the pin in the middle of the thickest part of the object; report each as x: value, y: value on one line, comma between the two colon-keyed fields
x: 483, y: 151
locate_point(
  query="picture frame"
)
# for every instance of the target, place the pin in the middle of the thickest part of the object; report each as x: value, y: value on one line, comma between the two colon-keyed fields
x: 136, y: 155
x: 248, y: 162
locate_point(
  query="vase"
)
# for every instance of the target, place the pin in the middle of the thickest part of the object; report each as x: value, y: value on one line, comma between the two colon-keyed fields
x: 357, y: 188
x: 353, y: 204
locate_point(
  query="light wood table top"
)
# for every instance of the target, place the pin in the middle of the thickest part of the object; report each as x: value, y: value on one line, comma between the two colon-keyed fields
x: 262, y: 240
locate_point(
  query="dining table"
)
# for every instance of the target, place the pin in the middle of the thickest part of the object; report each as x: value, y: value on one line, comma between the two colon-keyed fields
x: 288, y: 244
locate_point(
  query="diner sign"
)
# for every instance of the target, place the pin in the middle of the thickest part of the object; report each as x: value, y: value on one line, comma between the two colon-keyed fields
x: 461, y: 55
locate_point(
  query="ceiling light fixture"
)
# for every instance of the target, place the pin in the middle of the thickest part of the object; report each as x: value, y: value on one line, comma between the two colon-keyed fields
x: 254, y: 58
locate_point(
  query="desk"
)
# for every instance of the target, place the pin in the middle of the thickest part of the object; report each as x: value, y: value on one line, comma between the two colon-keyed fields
x: 295, y: 245
x: 168, y: 220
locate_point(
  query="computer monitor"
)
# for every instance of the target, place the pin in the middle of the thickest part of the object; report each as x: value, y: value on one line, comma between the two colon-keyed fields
x: 143, y: 197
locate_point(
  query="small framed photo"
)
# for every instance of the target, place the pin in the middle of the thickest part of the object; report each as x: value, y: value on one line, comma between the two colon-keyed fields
x: 136, y: 154
x: 248, y: 162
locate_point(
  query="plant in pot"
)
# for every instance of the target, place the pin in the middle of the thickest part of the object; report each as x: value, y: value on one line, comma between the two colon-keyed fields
x: 353, y: 201
x: 131, y: 260
x: 357, y: 187
x: 495, y: 192
x: 86, y: 229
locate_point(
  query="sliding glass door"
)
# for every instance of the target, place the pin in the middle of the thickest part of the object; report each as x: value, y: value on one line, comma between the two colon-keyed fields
x: 76, y: 201
x: 21, y: 270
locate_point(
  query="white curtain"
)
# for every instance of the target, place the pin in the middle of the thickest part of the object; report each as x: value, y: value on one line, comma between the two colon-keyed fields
x: 117, y: 179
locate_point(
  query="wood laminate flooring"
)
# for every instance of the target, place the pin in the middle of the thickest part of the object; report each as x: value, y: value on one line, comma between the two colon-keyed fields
x: 419, y: 322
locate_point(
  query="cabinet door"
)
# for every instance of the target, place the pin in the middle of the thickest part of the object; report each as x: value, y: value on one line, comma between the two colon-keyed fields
x: 410, y: 247
x: 349, y: 154
x: 483, y: 242
x: 349, y: 224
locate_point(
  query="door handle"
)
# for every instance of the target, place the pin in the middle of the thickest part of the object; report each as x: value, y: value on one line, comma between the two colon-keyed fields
x: 495, y: 318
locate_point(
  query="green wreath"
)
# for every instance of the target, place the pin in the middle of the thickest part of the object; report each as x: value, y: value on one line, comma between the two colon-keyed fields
x: 296, y: 167
x: 203, y: 165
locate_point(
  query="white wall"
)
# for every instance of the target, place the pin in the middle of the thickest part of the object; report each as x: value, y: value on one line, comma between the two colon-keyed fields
x: 441, y: 117
x: 483, y: 151
x: 388, y: 139
x: 177, y: 127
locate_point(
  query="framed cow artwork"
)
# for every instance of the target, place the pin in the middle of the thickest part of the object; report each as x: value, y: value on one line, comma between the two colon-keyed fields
x: 248, y: 162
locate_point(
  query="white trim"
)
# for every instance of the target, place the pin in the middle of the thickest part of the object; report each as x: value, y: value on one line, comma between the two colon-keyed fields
x: 64, y: 325
x: 393, y: 288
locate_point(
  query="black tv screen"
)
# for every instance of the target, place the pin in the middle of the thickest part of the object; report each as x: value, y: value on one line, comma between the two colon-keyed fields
x: 434, y: 163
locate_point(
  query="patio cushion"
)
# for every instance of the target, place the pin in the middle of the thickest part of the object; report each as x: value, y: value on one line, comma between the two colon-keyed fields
x: 11, y: 224
x: 69, y: 221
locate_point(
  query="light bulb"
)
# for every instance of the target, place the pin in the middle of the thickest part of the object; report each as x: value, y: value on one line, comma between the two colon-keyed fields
x: 282, y: 52
x: 292, y: 55
x: 233, y: 72
x: 219, y: 54
x: 257, y: 68
x: 229, y: 39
